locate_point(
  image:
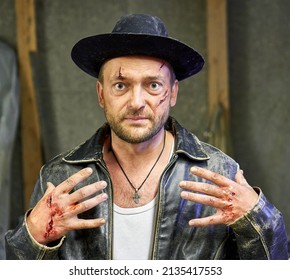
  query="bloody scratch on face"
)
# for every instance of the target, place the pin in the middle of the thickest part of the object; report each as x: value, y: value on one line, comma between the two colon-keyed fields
x: 161, y: 66
x: 120, y: 73
x: 163, y: 98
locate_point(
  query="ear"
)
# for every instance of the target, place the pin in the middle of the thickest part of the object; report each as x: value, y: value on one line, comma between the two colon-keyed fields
x: 99, y: 89
x: 174, y: 92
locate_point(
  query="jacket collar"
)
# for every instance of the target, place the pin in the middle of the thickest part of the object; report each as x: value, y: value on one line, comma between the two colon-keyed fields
x: 185, y: 141
x: 91, y: 150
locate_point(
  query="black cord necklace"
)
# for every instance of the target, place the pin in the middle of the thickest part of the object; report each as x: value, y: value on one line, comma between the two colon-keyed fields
x: 136, y: 195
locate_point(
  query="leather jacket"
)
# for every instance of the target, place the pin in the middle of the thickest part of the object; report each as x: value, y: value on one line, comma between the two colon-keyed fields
x: 259, y: 234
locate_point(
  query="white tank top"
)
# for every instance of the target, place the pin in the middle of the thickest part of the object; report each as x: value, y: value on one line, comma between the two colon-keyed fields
x: 133, y: 231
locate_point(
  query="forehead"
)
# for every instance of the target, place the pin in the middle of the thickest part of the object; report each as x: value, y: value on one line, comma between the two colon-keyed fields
x: 136, y: 66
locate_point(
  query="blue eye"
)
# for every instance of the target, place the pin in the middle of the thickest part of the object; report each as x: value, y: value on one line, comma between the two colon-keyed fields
x: 119, y: 86
x: 155, y: 86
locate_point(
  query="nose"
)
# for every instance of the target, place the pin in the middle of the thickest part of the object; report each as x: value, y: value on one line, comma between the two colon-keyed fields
x: 136, y: 99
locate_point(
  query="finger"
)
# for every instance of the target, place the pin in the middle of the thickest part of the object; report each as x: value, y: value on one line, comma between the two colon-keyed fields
x: 206, y: 221
x: 240, y: 179
x: 49, y: 188
x: 86, y: 224
x: 211, y: 176
x: 67, y: 185
x: 85, y: 192
x: 49, y: 193
x: 87, y: 204
x: 205, y: 199
x: 208, y: 189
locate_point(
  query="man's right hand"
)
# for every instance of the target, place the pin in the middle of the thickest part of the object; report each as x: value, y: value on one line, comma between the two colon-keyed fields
x: 56, y: 212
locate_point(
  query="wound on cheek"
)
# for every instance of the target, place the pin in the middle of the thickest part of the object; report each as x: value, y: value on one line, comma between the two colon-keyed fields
x: 163, y: 97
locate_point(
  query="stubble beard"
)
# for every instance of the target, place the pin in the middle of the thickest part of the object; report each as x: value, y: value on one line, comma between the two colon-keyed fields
x: 133, y: 134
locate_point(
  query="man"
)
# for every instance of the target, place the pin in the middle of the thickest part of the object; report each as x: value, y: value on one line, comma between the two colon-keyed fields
x: 143, y: 187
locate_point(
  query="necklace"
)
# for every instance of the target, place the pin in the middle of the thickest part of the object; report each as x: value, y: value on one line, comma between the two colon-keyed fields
x: 136, y: 195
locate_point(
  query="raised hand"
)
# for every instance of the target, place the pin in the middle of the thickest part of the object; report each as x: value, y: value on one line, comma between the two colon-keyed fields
x: 56, y: 212
x: 232, y: 199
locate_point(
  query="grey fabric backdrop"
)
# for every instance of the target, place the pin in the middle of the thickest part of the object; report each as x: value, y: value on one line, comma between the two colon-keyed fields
x: 9, y: 113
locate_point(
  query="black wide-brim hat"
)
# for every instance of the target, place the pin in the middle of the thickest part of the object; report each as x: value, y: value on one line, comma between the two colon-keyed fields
x: 137, y: 34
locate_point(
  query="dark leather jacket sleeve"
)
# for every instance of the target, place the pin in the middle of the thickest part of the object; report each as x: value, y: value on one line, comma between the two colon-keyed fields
x: 256, y: 224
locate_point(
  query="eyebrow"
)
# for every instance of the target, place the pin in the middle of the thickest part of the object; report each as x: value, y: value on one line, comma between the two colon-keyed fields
x: 155, y: 78
x: 121, y: 77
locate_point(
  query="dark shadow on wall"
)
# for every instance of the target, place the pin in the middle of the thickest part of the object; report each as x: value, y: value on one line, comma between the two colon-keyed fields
x: 259, y: 95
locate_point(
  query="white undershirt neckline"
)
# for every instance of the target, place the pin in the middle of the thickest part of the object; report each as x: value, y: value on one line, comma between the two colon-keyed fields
x: 133, y: 229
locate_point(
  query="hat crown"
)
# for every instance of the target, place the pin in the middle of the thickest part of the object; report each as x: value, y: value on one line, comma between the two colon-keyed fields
x: 140, y: 24
x: 136, y: 34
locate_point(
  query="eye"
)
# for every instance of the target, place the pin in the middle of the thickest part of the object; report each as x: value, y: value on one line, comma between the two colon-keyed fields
x: 154, y: 86
x: 119, y: 86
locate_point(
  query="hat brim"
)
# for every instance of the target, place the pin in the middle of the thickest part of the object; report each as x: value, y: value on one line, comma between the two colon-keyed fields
x: 91, y: 52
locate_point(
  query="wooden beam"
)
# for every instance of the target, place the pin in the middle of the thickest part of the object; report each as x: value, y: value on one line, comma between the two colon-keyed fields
x: 218, y: 85
x: 30, y: 127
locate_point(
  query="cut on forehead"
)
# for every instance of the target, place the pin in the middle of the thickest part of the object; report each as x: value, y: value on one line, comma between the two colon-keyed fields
x: 121, y: 70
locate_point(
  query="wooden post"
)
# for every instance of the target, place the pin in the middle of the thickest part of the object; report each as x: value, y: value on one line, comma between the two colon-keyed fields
x: 29, y: 120
x: 218, y: 85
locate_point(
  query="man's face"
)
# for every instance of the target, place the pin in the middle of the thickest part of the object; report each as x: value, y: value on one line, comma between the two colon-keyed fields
x: 136, y: 93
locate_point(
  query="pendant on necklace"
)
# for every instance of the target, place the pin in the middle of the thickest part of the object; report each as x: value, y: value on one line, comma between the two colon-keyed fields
x: 136, y: 197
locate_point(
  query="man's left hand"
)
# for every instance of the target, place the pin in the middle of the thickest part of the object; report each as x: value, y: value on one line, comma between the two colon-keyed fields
x: 232, y: 199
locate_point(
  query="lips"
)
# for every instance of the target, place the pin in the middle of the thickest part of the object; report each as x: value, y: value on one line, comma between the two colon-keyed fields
x: 136, y: 120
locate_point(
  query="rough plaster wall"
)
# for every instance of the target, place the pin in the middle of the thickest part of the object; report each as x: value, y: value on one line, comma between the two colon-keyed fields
x: 259, y: 57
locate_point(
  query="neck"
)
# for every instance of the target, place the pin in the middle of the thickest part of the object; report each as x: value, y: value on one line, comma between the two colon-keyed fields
x: 132, y: 151
x: 136, y: 169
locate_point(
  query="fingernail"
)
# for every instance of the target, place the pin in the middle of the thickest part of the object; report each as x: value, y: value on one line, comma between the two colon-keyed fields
x: 193, y: 169
x: 182, y: 184
x: 191, y: 223
x: 103, y: 184
x: 184, y: 194
x: 104, y: 196
x: 102, y: 221
x: 89, y: 170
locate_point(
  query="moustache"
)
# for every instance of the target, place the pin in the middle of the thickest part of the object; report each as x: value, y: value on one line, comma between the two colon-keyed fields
x: 136, y: 113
